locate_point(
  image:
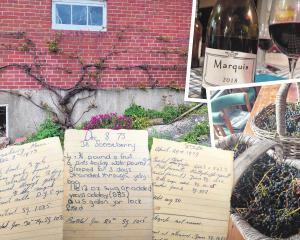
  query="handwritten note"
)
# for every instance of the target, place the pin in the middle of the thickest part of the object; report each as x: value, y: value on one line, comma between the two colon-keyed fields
x: 192, y: 188
x: 108, y: 189
x: 31, y: 191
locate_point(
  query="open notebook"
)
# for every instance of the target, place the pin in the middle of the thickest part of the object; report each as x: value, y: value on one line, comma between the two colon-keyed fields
x: 101, y: 188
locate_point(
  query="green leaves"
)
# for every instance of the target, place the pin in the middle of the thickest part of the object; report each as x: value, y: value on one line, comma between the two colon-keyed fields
x: 46, y: 130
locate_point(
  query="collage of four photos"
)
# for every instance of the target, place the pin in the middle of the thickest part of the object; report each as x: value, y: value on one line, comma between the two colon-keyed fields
x: 142, y: 119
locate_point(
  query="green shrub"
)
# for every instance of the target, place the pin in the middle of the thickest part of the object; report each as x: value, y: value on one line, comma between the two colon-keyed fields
x: 80, y: 126
x: 171, y: 112
x: 168, y: 113
x: 141, y: 116
x: 140, y: 122
x: 159, y: 136
x: 46, y: 130
x: 201, y: 110
x: 197, y: 131
x: 152, y: 114
x: 182, y: 108
x: 135, y: 110
x: 138, y: 111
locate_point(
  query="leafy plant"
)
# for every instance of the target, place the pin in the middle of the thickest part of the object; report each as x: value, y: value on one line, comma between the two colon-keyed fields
x: 112, y: 121
x: 198, y: 131
x: 26, y: 45
x: 53, y: 44
x: 140, y: 122
x: 139, y: 111
x: 80, y: 126
x: 157, y: 135
x: 168, y: 113
x: 171, y: 112
x: 203, y: 110
x: 46, y: 130
x: 135, y: 110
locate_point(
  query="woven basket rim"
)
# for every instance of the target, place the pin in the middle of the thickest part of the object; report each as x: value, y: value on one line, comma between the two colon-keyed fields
x: 263, y: 133
x: 242, y: 138
x: 242, y: 229
x: 259, y: 131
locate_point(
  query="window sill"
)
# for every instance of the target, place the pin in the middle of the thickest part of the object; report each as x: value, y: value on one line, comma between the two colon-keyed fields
x: 79, y: 28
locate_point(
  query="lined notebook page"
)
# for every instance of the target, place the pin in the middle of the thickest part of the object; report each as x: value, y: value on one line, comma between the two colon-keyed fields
x: 192, y: 188
x: 31, y: 191
x: 108, y: 191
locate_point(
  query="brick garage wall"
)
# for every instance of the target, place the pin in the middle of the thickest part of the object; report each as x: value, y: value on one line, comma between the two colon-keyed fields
x: 152, y: 33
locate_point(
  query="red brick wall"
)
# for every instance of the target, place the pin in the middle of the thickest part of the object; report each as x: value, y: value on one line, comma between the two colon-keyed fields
x: 145, y: 25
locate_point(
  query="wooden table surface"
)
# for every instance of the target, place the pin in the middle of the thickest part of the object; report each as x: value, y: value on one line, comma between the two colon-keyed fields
x: 266, y: 96
x: 233, y: 232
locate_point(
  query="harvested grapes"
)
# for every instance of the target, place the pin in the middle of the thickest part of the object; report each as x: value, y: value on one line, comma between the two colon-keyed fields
x: 267, y: 197
x: 292, y: 118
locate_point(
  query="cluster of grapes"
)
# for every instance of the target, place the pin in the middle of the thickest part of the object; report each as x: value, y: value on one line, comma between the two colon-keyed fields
x: 292, y: 118
x: 271, y: 202
x: 243, y: 192
x: 238, y: 149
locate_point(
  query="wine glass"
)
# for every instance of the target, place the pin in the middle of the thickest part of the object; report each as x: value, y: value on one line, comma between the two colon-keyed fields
x: 285, y: 29
x: 264, y: 43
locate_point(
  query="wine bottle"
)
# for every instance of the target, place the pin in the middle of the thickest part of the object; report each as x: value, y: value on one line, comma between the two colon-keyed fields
x: 231, y: 43
x: 197, y: 42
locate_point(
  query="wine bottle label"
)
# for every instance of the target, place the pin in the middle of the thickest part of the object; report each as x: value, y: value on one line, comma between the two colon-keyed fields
x: 223, y: 67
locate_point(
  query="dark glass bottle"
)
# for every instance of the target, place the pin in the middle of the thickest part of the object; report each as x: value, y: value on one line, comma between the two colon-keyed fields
x: 231, y: 43
x: 197, y: 40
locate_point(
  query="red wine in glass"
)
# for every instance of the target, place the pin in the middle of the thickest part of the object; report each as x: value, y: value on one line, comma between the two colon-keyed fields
x: 286, y: 36
x: 265, y: 44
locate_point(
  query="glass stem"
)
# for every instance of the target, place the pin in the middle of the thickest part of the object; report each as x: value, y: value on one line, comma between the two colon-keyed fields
x: 292, y: 65
x: 264, y: 65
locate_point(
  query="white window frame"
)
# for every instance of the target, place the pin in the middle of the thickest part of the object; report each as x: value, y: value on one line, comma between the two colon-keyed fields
x: 96, y: 3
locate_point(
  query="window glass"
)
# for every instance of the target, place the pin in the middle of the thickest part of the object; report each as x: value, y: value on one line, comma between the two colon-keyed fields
x: 79, y: 15
x: 95, y: 15
x: 63, y: 14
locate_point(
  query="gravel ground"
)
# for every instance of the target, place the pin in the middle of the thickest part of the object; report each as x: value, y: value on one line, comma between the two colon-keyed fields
x: 176, y: 130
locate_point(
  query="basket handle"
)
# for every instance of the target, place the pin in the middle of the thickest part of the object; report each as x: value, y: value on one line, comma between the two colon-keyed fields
x: 246, y: 159
x: 233, y: 139
x: 281, y: 102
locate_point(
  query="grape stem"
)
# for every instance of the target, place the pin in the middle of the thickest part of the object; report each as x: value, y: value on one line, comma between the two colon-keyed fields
x: 266, y: 174
x: 293, y: 212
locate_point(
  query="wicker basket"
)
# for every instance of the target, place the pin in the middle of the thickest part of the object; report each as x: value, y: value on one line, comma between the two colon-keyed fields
x: 259, y: 119
x: 246, y: 230
x: 230, y: 141
x: 291, y: 145
x: 257, y: 149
